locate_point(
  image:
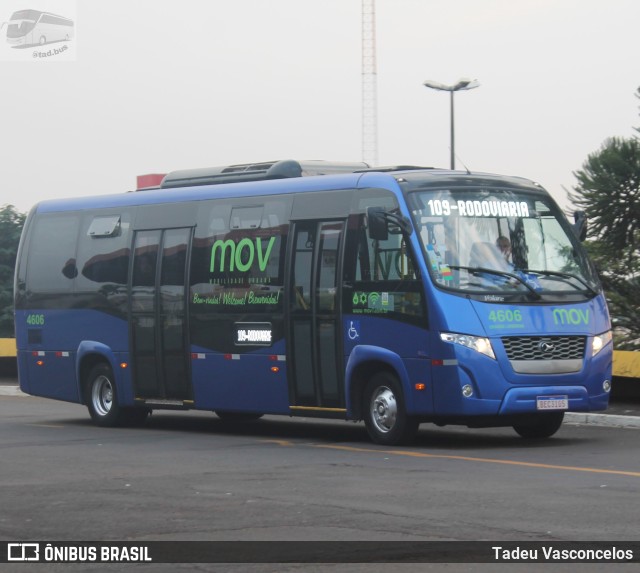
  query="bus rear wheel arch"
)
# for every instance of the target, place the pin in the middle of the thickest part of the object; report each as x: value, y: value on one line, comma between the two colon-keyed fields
x: 384, y: 412
x: 540, y: 425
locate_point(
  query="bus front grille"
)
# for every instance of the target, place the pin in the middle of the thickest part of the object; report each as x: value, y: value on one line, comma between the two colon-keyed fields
x: 544, y: 347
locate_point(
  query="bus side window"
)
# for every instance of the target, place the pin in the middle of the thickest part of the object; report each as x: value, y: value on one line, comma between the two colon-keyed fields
x: 51, y: 265
x: 103, y: 252
x: 382, y: 275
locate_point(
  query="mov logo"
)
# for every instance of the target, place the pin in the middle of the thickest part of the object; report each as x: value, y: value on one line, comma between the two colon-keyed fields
x: 573, y: 316
x: 240, y: 255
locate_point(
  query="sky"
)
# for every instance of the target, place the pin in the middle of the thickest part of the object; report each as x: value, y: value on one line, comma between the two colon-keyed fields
x: 151, y: 86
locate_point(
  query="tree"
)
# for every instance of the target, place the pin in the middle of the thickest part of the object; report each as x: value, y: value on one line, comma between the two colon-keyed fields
x: 608, y: 191
x: 11, y: 223
x: 638, y: 96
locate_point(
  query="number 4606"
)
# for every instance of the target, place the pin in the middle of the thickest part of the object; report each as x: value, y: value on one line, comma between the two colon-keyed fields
x: 505, y: 316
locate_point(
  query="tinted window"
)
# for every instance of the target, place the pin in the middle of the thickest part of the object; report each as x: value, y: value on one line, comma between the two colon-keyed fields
x: 103, y: 252
x: 240, y: 270
x: 51, y: 265
x: 51, y: 19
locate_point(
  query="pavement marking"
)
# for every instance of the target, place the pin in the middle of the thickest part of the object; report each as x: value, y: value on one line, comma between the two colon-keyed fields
x: 285, y: 443
x: 45, y: 426
x: 414, y: 454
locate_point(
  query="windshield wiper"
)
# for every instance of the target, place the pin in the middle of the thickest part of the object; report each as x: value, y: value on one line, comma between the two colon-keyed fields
x: 475, y: 270
x: 563, y: 275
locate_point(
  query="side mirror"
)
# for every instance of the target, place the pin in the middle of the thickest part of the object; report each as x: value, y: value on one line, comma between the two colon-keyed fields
x: 377, y: 223
x: 580, y: 224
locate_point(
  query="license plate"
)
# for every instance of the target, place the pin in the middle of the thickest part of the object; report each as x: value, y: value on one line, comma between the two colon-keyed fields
x: 552, y: 402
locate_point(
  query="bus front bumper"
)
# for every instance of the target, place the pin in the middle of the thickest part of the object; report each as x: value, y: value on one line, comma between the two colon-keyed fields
x: 530, y: 399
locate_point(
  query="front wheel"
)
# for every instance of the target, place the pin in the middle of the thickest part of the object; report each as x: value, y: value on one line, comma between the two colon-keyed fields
x: 385, y: 416
x: 541, y: 426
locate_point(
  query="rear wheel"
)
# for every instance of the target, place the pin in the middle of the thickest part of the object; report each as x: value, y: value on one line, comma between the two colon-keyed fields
x: 385, y: 416
x: 102, y: 400
x: 102, y: 397
x: 541, y: 425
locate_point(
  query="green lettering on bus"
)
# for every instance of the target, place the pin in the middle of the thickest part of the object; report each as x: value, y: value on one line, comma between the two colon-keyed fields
x: 573, y: 316
x: 233, y: 253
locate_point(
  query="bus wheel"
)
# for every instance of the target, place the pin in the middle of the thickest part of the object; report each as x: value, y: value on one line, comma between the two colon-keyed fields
x: 385, y: 416
x: 543, y: 426
x: 102, y: 399
x: 238, y: 416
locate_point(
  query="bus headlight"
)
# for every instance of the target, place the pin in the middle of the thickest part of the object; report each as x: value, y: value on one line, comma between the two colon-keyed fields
x: 600, y: 341
x: 481, y: 345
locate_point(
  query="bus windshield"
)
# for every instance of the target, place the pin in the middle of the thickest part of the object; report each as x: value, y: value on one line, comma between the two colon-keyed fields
x: 501, y: 241
x: 22, y: 22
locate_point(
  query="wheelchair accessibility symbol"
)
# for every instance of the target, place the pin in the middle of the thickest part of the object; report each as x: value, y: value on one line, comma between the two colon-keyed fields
x: 353, y: 330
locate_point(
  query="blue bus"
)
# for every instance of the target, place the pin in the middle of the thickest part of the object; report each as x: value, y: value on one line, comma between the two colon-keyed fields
x: 396, y: 296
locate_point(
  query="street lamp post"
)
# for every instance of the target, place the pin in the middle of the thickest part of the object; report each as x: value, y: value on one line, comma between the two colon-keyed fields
x: 462, y: 84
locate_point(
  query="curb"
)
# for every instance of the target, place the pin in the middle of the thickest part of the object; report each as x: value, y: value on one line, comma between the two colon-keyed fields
x: 605, y: 420
x: 11, y: 391
x: 576, y: 418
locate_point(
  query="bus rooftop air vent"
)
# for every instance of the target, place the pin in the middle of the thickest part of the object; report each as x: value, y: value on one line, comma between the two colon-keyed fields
x: 256, y: 172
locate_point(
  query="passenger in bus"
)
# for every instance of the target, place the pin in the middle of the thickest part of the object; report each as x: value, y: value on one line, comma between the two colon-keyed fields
x: 504, y: 244
x: 488, y: 256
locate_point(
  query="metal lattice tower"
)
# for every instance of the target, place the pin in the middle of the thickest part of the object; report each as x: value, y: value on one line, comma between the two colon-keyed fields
x: 369, y: 84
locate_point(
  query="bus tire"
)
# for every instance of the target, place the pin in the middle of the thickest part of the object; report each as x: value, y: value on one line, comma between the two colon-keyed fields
x: 102, y: 397
x: 238, y: 416
x: 385, y: 415
x: 544, y: 426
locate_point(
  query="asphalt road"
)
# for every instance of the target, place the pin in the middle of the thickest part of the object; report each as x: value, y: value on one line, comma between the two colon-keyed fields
x: 189, y: 476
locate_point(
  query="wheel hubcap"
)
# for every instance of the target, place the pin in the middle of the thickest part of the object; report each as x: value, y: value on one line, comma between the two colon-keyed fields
x: 384, y: 409
x: 102, y: 395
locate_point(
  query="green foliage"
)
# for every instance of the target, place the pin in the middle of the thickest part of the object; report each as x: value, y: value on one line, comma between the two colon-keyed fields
x: 638, y: 96
x: 11, y: 223
x: 608, y: 191
x: 621, y: 283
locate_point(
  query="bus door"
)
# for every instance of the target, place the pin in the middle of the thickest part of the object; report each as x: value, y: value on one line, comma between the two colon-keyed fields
x: 314, y: 351
x: 158, y: 314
